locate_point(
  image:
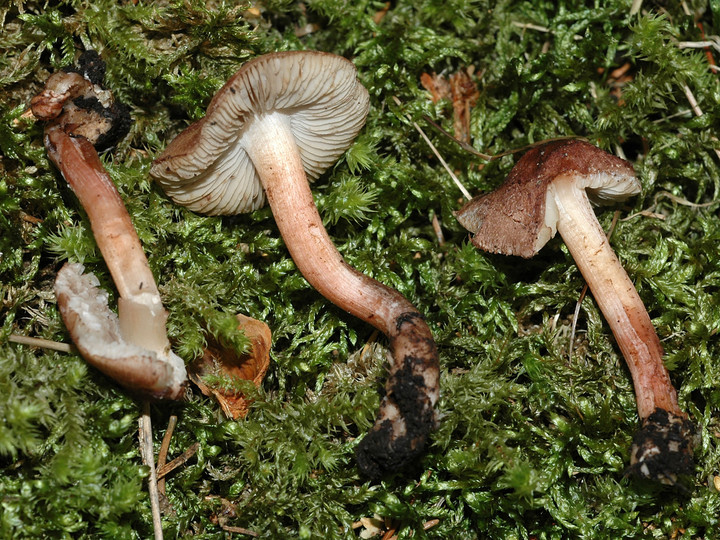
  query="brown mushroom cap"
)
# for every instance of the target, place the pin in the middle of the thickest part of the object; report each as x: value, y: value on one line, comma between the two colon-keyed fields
x: 207, y: 168
x: 519, y: 218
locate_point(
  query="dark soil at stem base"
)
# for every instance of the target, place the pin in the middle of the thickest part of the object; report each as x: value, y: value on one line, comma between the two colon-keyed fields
x: 662, y: 449
x: 391, y: 445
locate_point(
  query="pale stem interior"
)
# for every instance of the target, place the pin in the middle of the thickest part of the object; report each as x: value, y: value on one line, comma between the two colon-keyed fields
x: 616, y: 296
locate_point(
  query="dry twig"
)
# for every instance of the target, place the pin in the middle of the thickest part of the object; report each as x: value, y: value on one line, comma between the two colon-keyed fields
x: 162, y: 454
x: 166, y: 469
x: 43, y: 343
x: 148, y: 457
x: 455, y: 179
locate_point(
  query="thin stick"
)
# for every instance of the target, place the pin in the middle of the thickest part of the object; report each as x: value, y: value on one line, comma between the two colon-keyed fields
x: 162, y: 454
x: 674, y: 198
x: 166, y: 469
x: 464, y: 191
x: 492, y: 157
x: 438, y: 230
x: 44, y: 343
x: 531, y: 26
x: 576, y: 315
x: 571, y: 345
x: 696, y: 109
x: 465, y: 146
x: 538, y: 28
x: 686, y: 9
x: 239, y: 530
x: 698, y: 44
x: 469, y: 148
x: 684, y: 202
x: 691, y: 99
x: 148, y: 457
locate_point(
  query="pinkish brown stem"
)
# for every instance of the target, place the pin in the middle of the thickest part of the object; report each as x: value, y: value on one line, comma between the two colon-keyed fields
x: 111, y: 224
x: 406, y: 414
x: 142, y: 316
x: 617, y: 298
x: 630, y: 323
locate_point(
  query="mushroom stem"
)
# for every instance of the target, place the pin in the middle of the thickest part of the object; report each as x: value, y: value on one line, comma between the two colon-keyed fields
x: 616, y: 296
x: 111, y: 224
x: 141, y: 313
x: 662, y: 448
x: 406, y: 414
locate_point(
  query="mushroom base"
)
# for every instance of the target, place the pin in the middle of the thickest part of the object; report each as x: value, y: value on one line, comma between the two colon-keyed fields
x: 406, y: 416
x: 663, y: 448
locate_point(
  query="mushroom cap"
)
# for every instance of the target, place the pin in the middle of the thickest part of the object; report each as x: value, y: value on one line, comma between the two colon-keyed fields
x: 519, y: 217
x: 96, y: 332
x: 75, y: 100
x: 207, y: 169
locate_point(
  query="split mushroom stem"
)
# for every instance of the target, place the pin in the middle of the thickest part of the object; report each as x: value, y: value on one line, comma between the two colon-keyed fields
x: 617, y: 298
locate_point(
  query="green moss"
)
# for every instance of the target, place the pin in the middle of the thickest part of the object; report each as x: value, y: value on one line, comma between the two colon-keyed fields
x: 533, y: 442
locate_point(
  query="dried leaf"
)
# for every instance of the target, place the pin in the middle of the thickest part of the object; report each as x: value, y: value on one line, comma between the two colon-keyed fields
x: 436, y: 84
x: 225, y: 362
x: 464, y: 96
x: 463, y: 92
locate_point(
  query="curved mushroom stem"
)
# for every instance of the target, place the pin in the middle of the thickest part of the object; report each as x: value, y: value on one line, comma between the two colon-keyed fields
x: 406, y: 414
x: 111, y: 224
x: 663, y: 446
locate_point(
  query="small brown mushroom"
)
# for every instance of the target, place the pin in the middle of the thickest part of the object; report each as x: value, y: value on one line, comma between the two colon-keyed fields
x: 549, y: 190
x: 133, y: 347
x: 281, y: 118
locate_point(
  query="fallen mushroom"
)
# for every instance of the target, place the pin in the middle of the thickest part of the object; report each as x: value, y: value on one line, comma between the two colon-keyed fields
x: 281, y: 118
x: 550, y: 190
x: 133, y: 347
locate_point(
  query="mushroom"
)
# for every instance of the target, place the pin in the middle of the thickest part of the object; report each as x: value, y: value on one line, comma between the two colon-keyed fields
x: 282, y: 118
x: 131, y: 347
x: 549, y: 190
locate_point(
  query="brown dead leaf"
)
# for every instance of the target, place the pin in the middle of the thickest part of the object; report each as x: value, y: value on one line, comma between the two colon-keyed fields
x: 464, y: 96
x: 436, y: 84
x: 380, y: 15
x: 463, y: 92
x: 221, y: 361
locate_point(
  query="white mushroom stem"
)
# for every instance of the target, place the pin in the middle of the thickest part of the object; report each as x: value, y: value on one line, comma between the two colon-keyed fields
x: 616, y: 296
x: 406, y: 414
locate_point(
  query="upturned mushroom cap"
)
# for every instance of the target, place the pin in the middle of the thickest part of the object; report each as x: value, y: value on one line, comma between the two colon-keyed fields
x: 519, y: 217
x: 97, y: 333
x: 207, y: 169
